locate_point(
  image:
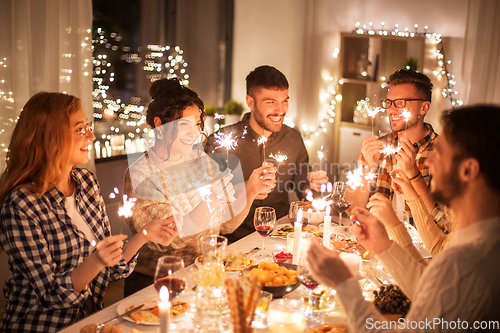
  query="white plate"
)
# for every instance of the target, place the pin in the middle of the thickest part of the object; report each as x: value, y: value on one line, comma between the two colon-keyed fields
x: 189, y: 298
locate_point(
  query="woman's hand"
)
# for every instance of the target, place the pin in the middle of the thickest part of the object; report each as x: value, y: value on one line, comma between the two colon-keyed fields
x: 370, y: 232
x: 326, y: 266
x: 109, y: 250
x: 381, y: 207
x: 401, y: 184
x: 261, y: 182
x: 161, y: 231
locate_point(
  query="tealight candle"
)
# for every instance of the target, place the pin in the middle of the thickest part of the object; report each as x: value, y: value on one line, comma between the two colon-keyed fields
x: 164, y: 309
x: 327, y: 228
x: 296, y: 236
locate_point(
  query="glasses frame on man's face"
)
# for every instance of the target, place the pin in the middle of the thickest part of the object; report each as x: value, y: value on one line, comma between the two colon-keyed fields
x: 89, y: 128
x: 399, y: 102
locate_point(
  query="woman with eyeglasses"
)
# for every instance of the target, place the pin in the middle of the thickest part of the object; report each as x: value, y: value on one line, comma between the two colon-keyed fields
x: 53, y: 222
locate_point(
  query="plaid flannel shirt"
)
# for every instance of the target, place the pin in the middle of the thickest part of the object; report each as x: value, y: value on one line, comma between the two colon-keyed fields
x: 386, y: 164
x: 44, y: 246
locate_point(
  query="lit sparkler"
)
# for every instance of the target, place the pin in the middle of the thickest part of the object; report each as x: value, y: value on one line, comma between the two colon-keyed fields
x: 262, y: 141
x: 227, y: 141
x: 218, y: 116
x: 320, y: 156
x: 373, y: 112
x: 126, y: 209
x: 279, y: 157
x: 390, y: 150
x: 406, y: 116
x: 355, y: 178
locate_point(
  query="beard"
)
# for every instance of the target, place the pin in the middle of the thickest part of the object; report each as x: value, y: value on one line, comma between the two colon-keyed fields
x: 450, y: 188
x: 262, y: 121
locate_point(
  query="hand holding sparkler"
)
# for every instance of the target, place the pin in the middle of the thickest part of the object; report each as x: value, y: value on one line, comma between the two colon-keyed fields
x: 316, y: 179
x: 381, y: 207
x: 261, y: 181
x: 370, y: 231
x: 402, y: 185
x: 371, y: 150
x: 161, y: 231
x: 109, y: 250
x: 406, y: 157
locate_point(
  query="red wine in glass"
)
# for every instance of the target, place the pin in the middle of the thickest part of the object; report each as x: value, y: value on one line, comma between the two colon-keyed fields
x: 341, y: 206
x: 175, y: 286
x: 264, y: 230
x: 307, y: 281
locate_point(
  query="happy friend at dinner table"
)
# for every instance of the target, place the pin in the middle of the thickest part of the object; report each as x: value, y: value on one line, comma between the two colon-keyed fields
x: 176, y: 178
x: 459, y: 289
x: 267, y: 97
x: 54, y: 226
x: 409, y: 91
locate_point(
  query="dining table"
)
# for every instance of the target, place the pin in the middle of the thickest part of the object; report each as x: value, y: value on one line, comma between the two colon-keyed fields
x: 184, y: 324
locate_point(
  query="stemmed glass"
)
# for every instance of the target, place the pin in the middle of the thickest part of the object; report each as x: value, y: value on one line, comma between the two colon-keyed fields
x: 264, y: 222
x: 171, y: 274
x: 339, y: 197
x: 295, y: 206
x: 304, y: 276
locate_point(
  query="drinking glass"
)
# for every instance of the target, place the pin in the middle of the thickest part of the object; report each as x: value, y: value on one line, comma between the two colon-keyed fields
x: 304, y: 276
x: 264, y: 222
x: 340, y: 198
x: 171, y: 274
x: 213, y: 248
x: 295, y: 206
x: 286, y: 315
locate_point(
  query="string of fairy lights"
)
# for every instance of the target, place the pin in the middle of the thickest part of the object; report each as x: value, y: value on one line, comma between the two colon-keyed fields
x: 158, y: 62
x: 331, y: 97
x: 7, y: 118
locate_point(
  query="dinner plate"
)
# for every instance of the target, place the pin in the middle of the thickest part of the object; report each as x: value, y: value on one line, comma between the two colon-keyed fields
x: 189, y: 298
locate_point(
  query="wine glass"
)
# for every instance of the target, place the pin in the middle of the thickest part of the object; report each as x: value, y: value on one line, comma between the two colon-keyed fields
x: 295, y: 206
x: 339, y: 197
x: 304, y: 276
x: 264, y: 222
x: 171, y: 274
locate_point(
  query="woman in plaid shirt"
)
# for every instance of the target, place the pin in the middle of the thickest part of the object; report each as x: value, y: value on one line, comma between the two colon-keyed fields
x: 54, y: 225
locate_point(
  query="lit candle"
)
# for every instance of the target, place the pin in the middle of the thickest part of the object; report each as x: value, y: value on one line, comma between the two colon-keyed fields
x: 296, y: 237
x: 327, y: 228
x: 164, y: 309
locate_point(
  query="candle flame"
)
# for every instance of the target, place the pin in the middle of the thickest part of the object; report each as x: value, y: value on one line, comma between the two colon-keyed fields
x: 299, y: 216
x: 164, y: 294
x: 328, y: 210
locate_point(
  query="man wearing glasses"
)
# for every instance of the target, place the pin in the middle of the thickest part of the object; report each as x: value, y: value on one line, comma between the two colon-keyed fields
x: 408, y: 101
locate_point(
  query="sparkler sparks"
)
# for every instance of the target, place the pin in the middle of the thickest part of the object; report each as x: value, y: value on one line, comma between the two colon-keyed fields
x: 390, y: 150
x: 126, y: 209
x: 373, y: 112
x: 224, y: 140
x: 218, y: 116
x: 406, y: 115
x: 355, y: 178
x: 261, y: 140
x: 279, y: 157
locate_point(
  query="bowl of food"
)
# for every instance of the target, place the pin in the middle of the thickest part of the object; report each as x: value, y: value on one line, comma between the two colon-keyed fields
x: 276, y: 278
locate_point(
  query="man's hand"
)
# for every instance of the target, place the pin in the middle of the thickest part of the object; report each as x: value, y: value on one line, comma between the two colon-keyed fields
x: 261, y: 181
x: 381, y: 207
x: 406, y: 158
x: 326, y: 266
x: 109, y: 250
x: 370, y: 233
x: 371, y: 151
x: 316, y: 179
x: 161, y: 231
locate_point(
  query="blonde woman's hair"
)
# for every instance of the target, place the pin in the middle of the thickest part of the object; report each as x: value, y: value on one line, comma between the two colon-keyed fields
x: 40, y: 145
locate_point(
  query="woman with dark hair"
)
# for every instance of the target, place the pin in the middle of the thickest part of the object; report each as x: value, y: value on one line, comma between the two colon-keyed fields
x: 175, y: 178
x: 54, y: 227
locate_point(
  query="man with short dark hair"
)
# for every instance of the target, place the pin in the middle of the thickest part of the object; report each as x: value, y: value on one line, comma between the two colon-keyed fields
x: 459, y: 290
x: 267, y: 97
x: 408, y: 101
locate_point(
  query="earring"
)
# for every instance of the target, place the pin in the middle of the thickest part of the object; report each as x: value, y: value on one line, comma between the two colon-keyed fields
x: 160, y: 135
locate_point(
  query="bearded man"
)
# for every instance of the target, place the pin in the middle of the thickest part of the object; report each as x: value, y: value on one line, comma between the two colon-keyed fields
x: 267, y: 97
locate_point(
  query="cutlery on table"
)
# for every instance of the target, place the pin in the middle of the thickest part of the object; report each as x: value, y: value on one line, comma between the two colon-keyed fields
x: 101, y: 325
